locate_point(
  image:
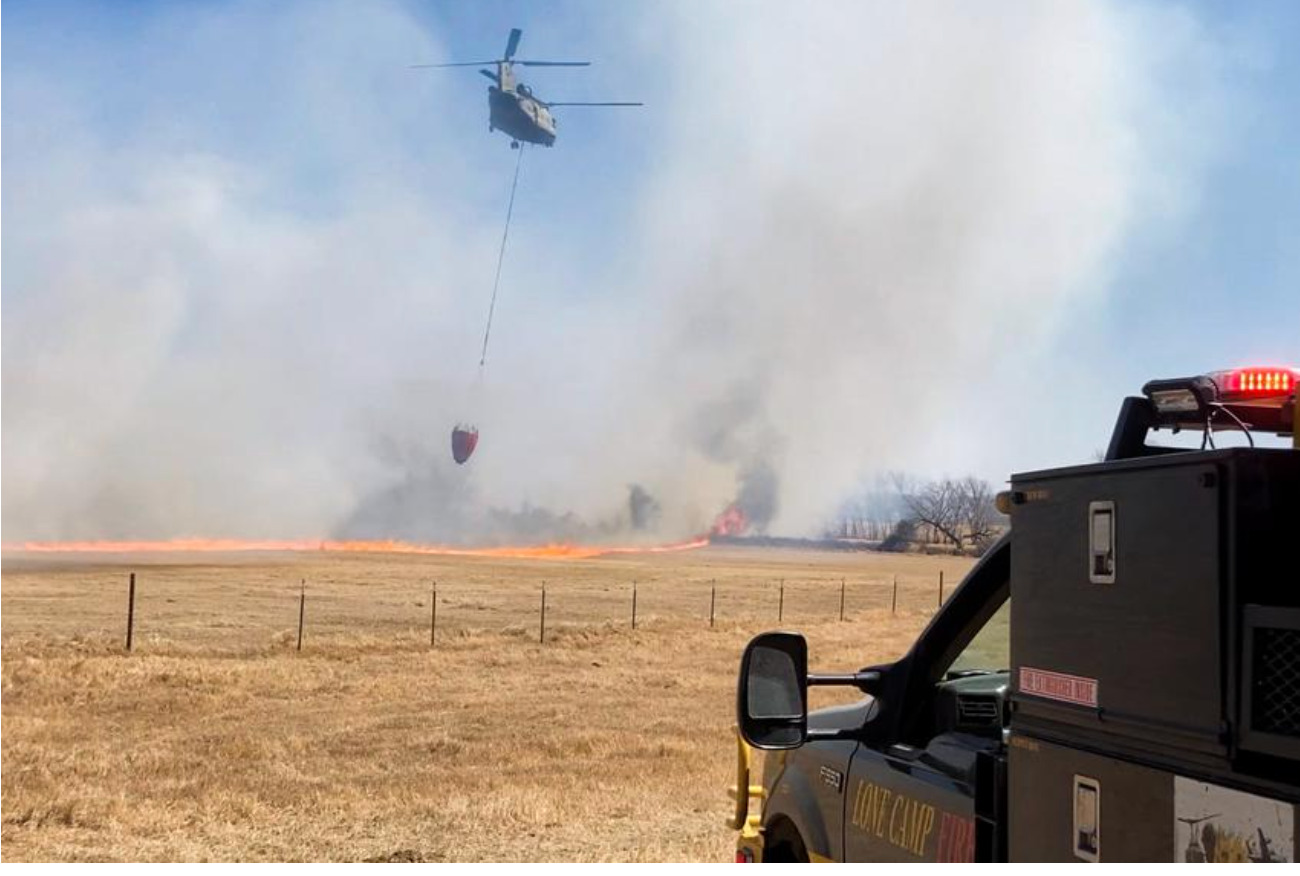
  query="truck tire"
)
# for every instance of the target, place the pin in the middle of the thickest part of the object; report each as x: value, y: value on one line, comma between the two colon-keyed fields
x: 783, y: 844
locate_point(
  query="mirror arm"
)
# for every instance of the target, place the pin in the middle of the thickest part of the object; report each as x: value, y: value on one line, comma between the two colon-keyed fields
x: 863, y: 681
x: 831, y: 734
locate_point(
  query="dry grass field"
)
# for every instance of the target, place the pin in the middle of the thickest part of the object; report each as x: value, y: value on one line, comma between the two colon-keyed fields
x: 217, y: 740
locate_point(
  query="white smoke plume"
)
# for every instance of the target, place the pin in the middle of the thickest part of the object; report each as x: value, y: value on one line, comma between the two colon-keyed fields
x: 845, y: 215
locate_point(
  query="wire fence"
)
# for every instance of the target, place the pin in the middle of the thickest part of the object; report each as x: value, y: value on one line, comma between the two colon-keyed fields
x: 158, y: 605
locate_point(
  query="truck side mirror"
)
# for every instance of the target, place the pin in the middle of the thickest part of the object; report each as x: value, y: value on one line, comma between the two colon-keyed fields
x: 772, y: 696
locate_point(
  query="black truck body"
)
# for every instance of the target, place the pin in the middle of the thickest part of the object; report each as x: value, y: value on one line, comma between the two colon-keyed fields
x: 1149, y: 711
x: 1177, y: 668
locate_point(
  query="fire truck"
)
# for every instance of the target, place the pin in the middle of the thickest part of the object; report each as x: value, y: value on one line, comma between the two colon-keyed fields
x: 1117, y: 679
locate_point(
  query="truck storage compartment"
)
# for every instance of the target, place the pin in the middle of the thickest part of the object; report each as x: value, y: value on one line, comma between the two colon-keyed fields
x: 1067, y: 804
x: 1129, y: 584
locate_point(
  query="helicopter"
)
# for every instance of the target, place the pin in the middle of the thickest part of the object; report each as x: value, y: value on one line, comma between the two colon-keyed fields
x: 513, y: 108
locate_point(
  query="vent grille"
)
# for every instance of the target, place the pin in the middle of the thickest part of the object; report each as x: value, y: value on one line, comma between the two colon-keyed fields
x: 1275, y: 700
x: 976, y: 711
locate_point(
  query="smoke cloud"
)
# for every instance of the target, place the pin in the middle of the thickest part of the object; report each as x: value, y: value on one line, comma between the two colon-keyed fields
x: 249, y: 304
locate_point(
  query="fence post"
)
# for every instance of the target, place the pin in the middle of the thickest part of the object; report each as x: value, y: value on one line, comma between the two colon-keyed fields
x: 541, y: 636
x: 634, y: 605
x: 893, y: 606
x: 713, y: 601
x: 130, y: 612
x: 841, y: 600
x: 780, y: 605
x: 941, y: 588
x: 433, y: 618
x: 302, y: 610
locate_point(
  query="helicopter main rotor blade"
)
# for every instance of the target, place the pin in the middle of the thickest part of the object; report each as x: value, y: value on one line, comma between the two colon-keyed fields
x: 457, y: 64
x: 489, y: 74
x: 597, y: 103
x: 513, y: 43
x: 501, y: 60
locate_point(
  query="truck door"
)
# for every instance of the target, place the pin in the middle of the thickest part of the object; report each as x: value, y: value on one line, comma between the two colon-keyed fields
x: 901, y: 809
x: 911, y: 803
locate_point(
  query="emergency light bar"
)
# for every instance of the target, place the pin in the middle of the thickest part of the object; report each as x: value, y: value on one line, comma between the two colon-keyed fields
x: 1249, y: 398
x: 1256, y: 382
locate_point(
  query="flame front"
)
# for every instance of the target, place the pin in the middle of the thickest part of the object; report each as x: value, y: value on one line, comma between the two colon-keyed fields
x: 230, y: 545
x: 732, y: 521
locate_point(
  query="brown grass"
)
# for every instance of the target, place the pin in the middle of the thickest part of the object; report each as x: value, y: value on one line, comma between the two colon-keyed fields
x: 215, y: 740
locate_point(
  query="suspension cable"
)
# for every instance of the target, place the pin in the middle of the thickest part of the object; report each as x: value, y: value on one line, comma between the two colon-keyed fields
x: 501, y: 257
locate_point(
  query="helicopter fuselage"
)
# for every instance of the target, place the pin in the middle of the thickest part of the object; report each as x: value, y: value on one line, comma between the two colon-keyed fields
x: 513, y: 108
x: 521, y: 117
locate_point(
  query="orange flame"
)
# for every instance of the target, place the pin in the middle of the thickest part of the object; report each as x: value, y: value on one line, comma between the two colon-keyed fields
x: 230, y: 545
x: 732, y: 521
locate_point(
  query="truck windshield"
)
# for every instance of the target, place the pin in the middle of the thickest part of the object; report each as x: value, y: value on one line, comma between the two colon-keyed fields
x: 991, y: 647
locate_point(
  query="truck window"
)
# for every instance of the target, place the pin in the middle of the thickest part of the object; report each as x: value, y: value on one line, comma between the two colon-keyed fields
x: 991, y: 648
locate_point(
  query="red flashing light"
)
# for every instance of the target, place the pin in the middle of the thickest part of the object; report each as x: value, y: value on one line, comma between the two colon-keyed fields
x: 1258, y: 381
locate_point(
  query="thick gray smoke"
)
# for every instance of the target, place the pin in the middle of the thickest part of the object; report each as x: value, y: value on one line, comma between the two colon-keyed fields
x: 642, y: 509
x: 871, y: 208
x: 732, y: 430
x: 250, y: 306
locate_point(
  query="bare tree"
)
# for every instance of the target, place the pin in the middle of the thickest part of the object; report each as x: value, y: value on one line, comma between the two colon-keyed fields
x: 960, y: 511
x: 940, y: 505
x: 979, y: 514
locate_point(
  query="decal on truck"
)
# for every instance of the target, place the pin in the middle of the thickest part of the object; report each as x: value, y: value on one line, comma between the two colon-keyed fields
x: 1058, y: 686
x: 900, y: 820
x: 956, y: 839
x: 1220, y: 825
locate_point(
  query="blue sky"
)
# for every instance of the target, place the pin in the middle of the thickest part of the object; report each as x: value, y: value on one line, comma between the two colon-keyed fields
x: 273, y: 205
x: 1236, y: 241
x: 1223, y: 285
x: 1225, y: 282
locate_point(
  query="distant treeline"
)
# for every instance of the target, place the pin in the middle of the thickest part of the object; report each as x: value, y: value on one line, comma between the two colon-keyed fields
x: 898, y: 512
x: 824, y: 544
